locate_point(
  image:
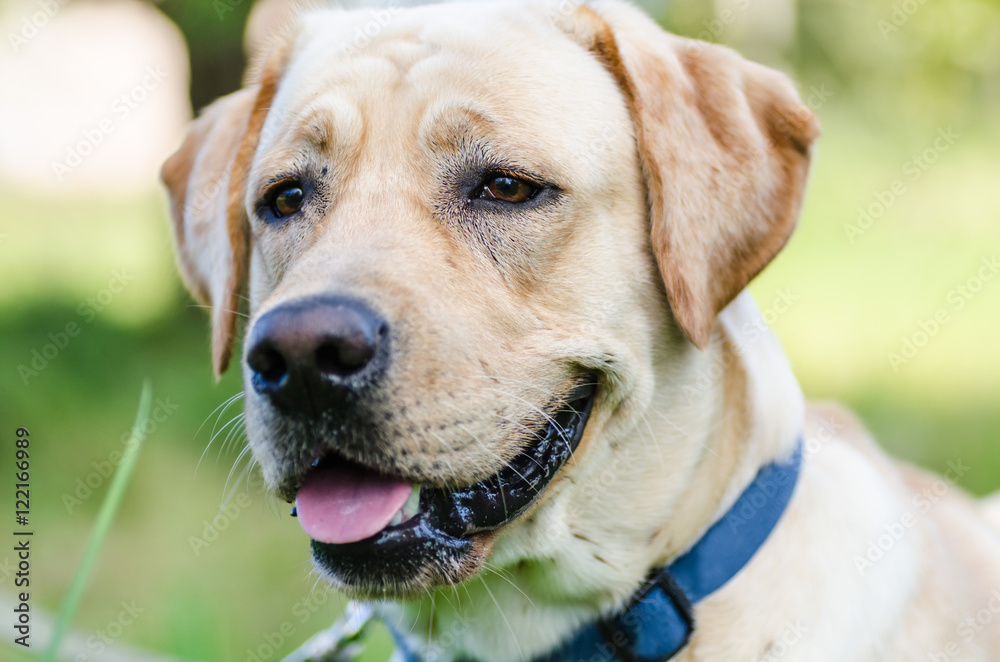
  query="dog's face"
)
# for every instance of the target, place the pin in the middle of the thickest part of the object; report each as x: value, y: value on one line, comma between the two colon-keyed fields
x: 470, y: 242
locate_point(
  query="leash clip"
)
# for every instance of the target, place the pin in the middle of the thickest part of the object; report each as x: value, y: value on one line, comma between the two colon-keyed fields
x: 341, y: 643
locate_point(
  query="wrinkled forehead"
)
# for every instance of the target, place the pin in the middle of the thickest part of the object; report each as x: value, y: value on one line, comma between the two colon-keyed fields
x: 445, y: 73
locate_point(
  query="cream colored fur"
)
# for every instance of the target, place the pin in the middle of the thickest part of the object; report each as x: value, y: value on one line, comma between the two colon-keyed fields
x: 683, y: 167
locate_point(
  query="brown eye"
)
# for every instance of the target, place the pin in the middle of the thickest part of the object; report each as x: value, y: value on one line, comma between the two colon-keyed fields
x: 508, y: 189
x: 288, y: 200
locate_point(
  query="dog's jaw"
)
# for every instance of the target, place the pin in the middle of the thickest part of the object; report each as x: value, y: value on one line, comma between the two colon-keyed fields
x: 587, y: 548
x: 447, y: 532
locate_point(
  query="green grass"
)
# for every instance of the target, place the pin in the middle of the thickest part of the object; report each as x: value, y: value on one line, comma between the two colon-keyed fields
x: 105, y: 520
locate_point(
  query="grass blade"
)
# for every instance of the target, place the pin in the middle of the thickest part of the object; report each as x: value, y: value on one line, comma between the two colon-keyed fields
x: 105, y: 519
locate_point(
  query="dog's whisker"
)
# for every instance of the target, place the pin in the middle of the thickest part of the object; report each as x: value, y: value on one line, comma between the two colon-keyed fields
x: 212, y: 308
x: 504, y: 617
x: 446, y: 599
x: 225, y: 405
x: 548, y: 417
x: 236, y: 431
x: 441, y: 440
x: 430, y: 621
x: 230, y: 425
x: 234, y: 424
x: 513, y: 381
x: 309, y: 569
x: 502, y: 574
x: 209, y: 446
x: 506, y: 463
x: 234, y: 428
x: 503, y: 494
x: 684, y: 432
x: 652, y: 440
x: 416, y: 618
x: 222, y: 413
x: 229, y: 497
x: 468, y: 593
x: 236, y: 463
x: 531, y: 432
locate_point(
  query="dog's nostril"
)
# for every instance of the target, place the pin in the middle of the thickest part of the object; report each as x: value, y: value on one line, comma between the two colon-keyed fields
x: 268, y: 364
x: 345, y: 356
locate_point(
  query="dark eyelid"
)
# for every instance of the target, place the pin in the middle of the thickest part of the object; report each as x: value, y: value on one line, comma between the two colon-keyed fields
x: 273, y: 185
x: 513, y: 173
x: 491, y: 173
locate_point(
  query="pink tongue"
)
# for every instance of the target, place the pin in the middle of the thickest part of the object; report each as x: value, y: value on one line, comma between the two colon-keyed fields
x: 344, y: 504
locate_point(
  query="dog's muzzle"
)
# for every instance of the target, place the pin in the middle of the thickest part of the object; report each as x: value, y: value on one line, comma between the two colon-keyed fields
x: 370, y: 528
x: 365, y: 526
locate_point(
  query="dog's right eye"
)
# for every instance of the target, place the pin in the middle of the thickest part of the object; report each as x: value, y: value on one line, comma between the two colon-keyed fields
x: 284, y: 200
x: 506, y: 188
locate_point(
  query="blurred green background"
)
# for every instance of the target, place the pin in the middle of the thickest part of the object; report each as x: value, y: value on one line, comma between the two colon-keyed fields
x: 900, y: 219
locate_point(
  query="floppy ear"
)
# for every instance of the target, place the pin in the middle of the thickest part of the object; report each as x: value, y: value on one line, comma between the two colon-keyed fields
x: 724, y: 145
x: 206, y: 180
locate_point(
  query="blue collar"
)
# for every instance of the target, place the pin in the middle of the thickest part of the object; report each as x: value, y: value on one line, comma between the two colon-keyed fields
x: 659, y: 620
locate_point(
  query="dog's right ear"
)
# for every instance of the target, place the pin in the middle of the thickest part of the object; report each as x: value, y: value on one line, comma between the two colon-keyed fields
x: 206, y: 180
x: 724, y: 146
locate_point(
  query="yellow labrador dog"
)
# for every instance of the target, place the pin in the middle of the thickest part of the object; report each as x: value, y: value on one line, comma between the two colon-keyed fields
x: 500, y: 357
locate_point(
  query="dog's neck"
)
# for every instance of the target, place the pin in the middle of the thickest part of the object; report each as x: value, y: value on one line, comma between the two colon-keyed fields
x: 712, y: 420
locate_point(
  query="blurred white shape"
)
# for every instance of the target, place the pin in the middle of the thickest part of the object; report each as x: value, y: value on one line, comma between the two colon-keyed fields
x: 270, y: 18
x: 95, y: 94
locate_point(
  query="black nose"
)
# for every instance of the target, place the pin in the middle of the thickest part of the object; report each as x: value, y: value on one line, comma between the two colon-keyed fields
x: 307, y: 354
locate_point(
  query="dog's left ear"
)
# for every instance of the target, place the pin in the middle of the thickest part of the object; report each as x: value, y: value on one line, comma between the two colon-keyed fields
x: 206, y: 180
x: 724, y: 145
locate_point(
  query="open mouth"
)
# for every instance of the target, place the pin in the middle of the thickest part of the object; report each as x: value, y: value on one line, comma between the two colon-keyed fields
x: 363, y: 524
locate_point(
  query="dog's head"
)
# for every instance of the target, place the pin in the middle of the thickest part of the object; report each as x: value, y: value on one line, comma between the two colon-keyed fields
x: 471, y: 236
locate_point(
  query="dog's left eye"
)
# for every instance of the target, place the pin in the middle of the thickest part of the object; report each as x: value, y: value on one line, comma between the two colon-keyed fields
x: 289, y: 200
x: 284, y: 199
x: 507, y: 189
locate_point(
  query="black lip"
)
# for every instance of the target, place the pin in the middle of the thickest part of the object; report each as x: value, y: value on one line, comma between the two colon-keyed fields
x: 448, y: 519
